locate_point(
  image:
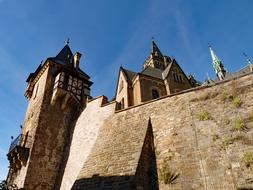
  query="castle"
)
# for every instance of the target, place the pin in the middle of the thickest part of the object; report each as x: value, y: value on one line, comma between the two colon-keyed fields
x: 162, y: 130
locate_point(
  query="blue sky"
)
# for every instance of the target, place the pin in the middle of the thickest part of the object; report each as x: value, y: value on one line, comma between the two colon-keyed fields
x: 113, y: 33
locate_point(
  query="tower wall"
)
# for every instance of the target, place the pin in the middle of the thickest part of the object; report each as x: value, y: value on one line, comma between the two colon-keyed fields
x: 52, y: 138
x: 30, y: 125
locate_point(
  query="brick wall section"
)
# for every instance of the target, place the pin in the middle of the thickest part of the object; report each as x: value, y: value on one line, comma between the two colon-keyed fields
x: 84, y: 137
x: 206, y: 154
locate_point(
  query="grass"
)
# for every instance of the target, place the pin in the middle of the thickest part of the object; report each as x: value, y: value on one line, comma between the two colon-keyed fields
x: 237, y: 102
x: 232, y: 95
x: 250, y: 117
x: 226, y: 121
x: 225, y: 143
x: 248, y: 159
x: 167, y: 175
x: 215, y: 137
x: 204, y: 115
x: 224, y: 95
x: 239, y: 125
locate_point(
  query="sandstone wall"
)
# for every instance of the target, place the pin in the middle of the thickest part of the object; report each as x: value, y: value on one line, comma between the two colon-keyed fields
x: 84, y: 136
x: 201, y: 138
x: 30, y: 125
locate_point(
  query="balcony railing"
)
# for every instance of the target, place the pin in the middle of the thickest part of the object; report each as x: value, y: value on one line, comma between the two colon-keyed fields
x: 21, y: 141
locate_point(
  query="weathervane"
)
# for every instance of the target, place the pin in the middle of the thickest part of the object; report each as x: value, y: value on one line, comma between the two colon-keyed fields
x: 67, y: 41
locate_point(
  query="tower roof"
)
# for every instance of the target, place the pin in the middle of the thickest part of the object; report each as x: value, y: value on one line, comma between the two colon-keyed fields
x: 156, y: 49
x: 65, y: 55
x: 217, y: 64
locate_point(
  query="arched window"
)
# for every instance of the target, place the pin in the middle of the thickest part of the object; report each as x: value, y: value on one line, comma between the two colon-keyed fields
x: 155, y: 94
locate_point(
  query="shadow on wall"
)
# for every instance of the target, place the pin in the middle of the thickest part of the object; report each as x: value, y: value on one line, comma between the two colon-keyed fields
x: 109, y: 182
x: 145, y: 177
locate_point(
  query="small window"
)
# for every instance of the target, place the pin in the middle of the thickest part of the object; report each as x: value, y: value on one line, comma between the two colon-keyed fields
x: 155, y: 94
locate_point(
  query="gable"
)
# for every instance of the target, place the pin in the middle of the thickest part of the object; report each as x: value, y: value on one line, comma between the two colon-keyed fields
x: 175, y: 72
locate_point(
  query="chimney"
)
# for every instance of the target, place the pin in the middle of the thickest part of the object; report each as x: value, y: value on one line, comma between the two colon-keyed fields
x: 77, y: 57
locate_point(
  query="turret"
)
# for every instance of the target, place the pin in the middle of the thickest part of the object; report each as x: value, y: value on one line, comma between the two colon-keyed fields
x: 57, y: 92
x: 217, y: 65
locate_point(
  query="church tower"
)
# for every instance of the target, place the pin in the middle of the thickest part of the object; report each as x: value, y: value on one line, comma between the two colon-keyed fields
x: 217, y: 65
x: 57, y: 92
x: 156, y: 58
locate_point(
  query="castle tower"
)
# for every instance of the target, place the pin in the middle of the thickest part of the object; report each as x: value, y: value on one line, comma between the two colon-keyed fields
x: 57, y: 92
x: 217, y: 65
x: 156, y: 58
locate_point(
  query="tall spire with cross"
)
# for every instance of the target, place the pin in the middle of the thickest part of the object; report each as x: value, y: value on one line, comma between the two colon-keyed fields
x: 217, y: 65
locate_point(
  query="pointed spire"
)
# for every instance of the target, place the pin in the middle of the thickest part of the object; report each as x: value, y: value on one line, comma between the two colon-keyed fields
x: 65, y: 55
x: 155, y: 49
x: 217, y: 64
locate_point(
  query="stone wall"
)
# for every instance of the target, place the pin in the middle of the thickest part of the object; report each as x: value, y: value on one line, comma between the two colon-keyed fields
x: 30, y: 125
x: 201, y: 138
x: 84, y: 137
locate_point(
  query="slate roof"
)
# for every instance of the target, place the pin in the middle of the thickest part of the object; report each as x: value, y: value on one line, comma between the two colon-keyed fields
x: 64, y: 57
x: 153, y: 72
x: 156, y: 49
x: 166, y: 71
x: 129, y: 74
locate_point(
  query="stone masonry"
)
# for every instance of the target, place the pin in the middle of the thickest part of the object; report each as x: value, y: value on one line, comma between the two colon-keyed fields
x: 201, y: 137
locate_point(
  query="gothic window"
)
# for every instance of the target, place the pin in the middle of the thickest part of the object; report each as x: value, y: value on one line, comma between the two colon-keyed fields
x: 155, y: 94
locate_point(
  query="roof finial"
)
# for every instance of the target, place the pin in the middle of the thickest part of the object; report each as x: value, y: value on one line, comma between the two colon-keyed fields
x: 67, y: 41
x: 152, y: 38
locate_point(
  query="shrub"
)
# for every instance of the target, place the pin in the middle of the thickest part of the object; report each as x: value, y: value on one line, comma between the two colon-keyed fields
x: 204, y: 115
x: 167, y: 175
